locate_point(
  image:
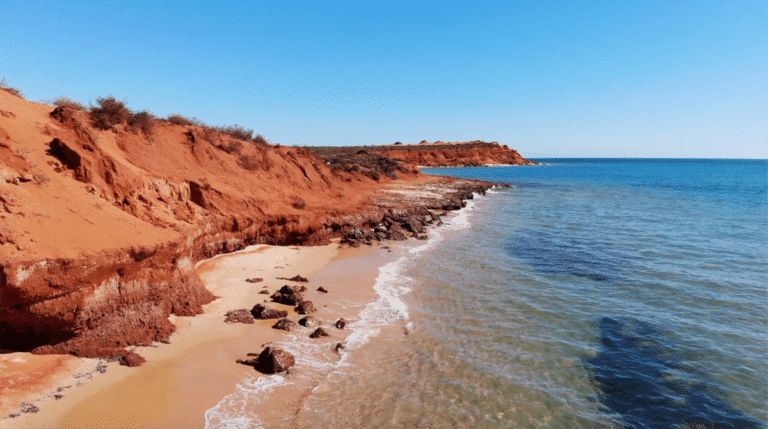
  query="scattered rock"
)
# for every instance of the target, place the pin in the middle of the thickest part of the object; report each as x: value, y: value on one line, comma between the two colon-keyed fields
x: 306, y: 307
x: 319, y: 332
x: 272, y: 360
x: 285, y: 324
x: 340, y: 324
x: 338, y: 347
x: 260, y: 311
x: 296, y: 278
x: 132, y: 359
x: 28, y: 407
x: 264, y: 292
x: 239, y: 316
x: 254, y: 280
x: 309, y: 322
x: 322, y: 289
x: 422, y: 237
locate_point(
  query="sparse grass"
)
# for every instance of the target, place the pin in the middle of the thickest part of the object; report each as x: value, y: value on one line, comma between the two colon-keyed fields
x: 142, y: 121
x: 109, y: 113
x: 15, y: 91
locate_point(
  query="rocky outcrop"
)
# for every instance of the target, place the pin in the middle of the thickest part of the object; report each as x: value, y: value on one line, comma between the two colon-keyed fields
x: 309, y: 322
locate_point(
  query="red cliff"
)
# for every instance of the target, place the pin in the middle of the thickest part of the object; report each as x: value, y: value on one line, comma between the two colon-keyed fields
x: 100, y: 228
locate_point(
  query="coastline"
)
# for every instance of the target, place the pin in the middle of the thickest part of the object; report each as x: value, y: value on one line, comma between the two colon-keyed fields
x: 165, y: 391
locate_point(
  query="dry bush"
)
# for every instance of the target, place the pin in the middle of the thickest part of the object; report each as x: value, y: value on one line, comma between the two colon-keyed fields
x: 15, y: 91
x: 299, y: 204
x: 68, y: 103
x: 248, y: 163
x: 142, y: 121
x: 237, y: 131
x: 178, y: 119
x: 260, y: 140
x: 109, y: 113
x: 232, y: 146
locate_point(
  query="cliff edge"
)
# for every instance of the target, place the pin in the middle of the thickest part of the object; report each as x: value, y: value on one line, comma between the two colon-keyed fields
x: 100, y: 227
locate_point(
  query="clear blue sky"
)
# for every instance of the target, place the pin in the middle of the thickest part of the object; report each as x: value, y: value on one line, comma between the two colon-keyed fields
x: 549, y: 78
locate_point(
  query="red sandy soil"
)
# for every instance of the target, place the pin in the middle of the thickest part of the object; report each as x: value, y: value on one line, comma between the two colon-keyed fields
x: 99, y: 230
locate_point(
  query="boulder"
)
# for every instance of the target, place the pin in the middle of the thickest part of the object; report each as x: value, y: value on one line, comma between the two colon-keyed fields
x: 338, y: 348
x: 298, y: 278
x: 293, y: 298
x: 322, y: 289
x: 264, y: 292
x: 306, y: 307
x: 131, y: 359
x: 309, y: 322
x: 239, y: 316
x: 340, y: 324
x: 254, y: 280
x: 319, y: 332
x: 285, y: 324
x: 272, y: 360
x: 261, y: 311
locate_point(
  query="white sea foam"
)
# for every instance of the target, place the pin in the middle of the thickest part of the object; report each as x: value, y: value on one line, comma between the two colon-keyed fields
x: 234, y: 410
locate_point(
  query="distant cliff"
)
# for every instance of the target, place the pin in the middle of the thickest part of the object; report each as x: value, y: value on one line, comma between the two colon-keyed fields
x: 456, y: 154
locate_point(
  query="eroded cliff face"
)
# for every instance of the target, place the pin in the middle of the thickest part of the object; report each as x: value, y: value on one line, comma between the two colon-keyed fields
x: 100, y: 230
x: 457, y: 154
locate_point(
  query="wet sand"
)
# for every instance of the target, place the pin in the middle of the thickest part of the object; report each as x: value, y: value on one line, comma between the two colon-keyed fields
x: 183, y: 379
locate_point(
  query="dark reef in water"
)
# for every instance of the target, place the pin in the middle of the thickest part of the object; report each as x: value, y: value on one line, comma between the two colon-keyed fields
x: 557, y: 254
x: 641, y: 378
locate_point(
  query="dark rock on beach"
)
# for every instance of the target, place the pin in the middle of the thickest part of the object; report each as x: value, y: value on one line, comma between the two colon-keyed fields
x: 272, y: 360
x: 239, y: 316
x: 322, y: 289
x: 260, y: 311
x: 309, y: 322
x: 319, y: 332
x: 340, y: 324
x: 285, y: 324
x: 254, y: 280
x: 306, y: 307
x: 132, y: 359
x: 338, y: 348
x: 293, y: 298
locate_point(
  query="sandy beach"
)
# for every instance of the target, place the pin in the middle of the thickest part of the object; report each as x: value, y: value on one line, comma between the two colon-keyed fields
x: 183, y: 379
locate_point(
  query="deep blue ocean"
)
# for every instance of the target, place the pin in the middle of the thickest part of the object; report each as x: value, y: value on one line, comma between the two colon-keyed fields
x: 597, y: 293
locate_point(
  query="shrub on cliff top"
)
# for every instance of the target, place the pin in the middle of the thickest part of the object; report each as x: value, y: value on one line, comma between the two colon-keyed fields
x: 142, y: 121
x: 109, y: 113
x: 178, y: 119
x: 68, y: 103
x: 260, y: 140
x: 237, y: 131
x: 4, y: 86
